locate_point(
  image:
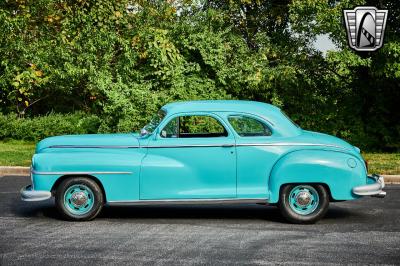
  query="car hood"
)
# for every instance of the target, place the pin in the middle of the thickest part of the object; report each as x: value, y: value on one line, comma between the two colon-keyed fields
x: 89, y: 140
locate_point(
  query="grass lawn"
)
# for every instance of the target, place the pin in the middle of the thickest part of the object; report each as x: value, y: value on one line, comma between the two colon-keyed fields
x: 16, y: 153
x: 383, y: 163
x: 19, y: 153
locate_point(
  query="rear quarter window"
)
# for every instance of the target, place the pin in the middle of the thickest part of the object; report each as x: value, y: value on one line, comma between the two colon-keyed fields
x: 246, y: 126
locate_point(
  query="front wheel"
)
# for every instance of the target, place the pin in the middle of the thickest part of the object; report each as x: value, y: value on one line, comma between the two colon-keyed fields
x: 303, y: 203
x: 79, y: 199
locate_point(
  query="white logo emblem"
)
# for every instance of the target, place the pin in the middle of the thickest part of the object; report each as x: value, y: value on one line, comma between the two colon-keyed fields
x: 365, y: 27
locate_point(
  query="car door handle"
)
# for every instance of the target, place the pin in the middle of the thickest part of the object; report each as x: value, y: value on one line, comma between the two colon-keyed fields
x: 227, y: 145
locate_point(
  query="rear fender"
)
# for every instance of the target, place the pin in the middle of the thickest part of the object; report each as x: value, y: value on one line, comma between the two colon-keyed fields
x: 338, y: 170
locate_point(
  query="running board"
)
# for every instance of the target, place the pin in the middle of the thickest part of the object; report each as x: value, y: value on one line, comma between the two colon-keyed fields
x: 186, y: 201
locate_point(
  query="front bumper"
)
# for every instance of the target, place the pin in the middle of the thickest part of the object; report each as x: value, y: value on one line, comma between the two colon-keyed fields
x: 374, y: 189
x: 28, y: 194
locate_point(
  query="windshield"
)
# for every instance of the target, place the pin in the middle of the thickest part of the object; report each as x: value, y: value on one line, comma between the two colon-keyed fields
x: 154, y: 122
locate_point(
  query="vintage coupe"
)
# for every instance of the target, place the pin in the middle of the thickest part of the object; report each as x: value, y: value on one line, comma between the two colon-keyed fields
x: 202, y: 152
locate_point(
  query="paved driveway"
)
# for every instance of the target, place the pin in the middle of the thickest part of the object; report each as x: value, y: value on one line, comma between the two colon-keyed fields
x: 358, y: 232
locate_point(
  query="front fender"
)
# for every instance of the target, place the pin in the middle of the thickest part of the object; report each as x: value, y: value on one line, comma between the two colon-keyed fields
x: 117, y: 170
x: 340, y: 171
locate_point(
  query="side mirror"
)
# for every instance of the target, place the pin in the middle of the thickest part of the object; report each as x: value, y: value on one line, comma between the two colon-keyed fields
x: 163, y: 133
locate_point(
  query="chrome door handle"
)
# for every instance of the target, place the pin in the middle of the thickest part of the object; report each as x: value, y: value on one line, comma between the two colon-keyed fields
x: 227, y: 145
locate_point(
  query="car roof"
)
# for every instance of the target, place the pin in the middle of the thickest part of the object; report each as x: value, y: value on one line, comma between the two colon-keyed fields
x: 220, y: 106
x: 282, y: 125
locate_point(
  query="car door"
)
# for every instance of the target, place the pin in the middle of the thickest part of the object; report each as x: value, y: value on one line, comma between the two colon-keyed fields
x: 255, y: 158
x: 192, y: 156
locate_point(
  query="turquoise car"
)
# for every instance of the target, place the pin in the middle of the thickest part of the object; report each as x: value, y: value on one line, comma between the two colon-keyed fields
x: 202, y: 152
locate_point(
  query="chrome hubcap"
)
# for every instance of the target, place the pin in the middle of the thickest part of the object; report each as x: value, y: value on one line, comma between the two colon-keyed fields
x: 303, y: 198
x: 79, y: 198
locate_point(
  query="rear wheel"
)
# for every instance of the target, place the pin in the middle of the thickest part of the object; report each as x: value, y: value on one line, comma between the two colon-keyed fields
x: 79, y: 199
x: 303, y: 203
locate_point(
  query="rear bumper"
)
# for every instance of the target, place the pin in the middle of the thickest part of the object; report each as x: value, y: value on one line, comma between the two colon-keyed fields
x: 28, y: 194
x: 374, y: 189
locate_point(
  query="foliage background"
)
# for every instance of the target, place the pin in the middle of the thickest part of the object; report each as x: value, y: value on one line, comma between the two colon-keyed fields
x: 113, y: 63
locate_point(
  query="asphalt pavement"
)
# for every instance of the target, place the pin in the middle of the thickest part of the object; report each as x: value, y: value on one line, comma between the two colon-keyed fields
x: 365, y: 231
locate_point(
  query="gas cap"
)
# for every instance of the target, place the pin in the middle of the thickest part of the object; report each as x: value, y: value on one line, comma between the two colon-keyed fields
x: 351, y: 162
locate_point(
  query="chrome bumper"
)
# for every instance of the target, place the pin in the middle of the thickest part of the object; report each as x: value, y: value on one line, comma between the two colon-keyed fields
x: 27, y: 194
x: 374, y: 190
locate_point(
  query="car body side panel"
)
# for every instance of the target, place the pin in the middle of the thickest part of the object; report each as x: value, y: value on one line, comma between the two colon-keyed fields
x: 118, y: 170
x: 254, y: 163
x: 188, y: 173
x: 319, y: 166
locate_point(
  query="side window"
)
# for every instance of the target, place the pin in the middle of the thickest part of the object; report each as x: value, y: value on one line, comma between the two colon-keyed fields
x: 248, y: 127
x: 171, y: 129
x: 194, y: 126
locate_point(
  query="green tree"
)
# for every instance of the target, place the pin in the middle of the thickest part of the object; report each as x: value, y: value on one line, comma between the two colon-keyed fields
x: 123, y: 59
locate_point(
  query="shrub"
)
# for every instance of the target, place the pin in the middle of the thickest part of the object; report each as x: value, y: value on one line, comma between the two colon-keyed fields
x: 40, y: 127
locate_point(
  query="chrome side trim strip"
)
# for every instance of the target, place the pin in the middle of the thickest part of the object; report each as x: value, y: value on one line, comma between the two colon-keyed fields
x: 249, y: 144
x: 187, y: 201
x: 191, y: 145
x: 290, y: 144
x: 80, y: 173
x: 199, y: 145
x: 129, y: 147
x: 95, y: 146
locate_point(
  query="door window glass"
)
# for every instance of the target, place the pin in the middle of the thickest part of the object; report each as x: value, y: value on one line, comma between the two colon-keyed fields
x: 171, y: 129
x: 248, y: 127
x: 194, y: 126
x: 154, y: 122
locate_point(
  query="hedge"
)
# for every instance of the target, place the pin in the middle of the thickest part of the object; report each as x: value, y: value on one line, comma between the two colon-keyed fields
x: 37, y: 128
